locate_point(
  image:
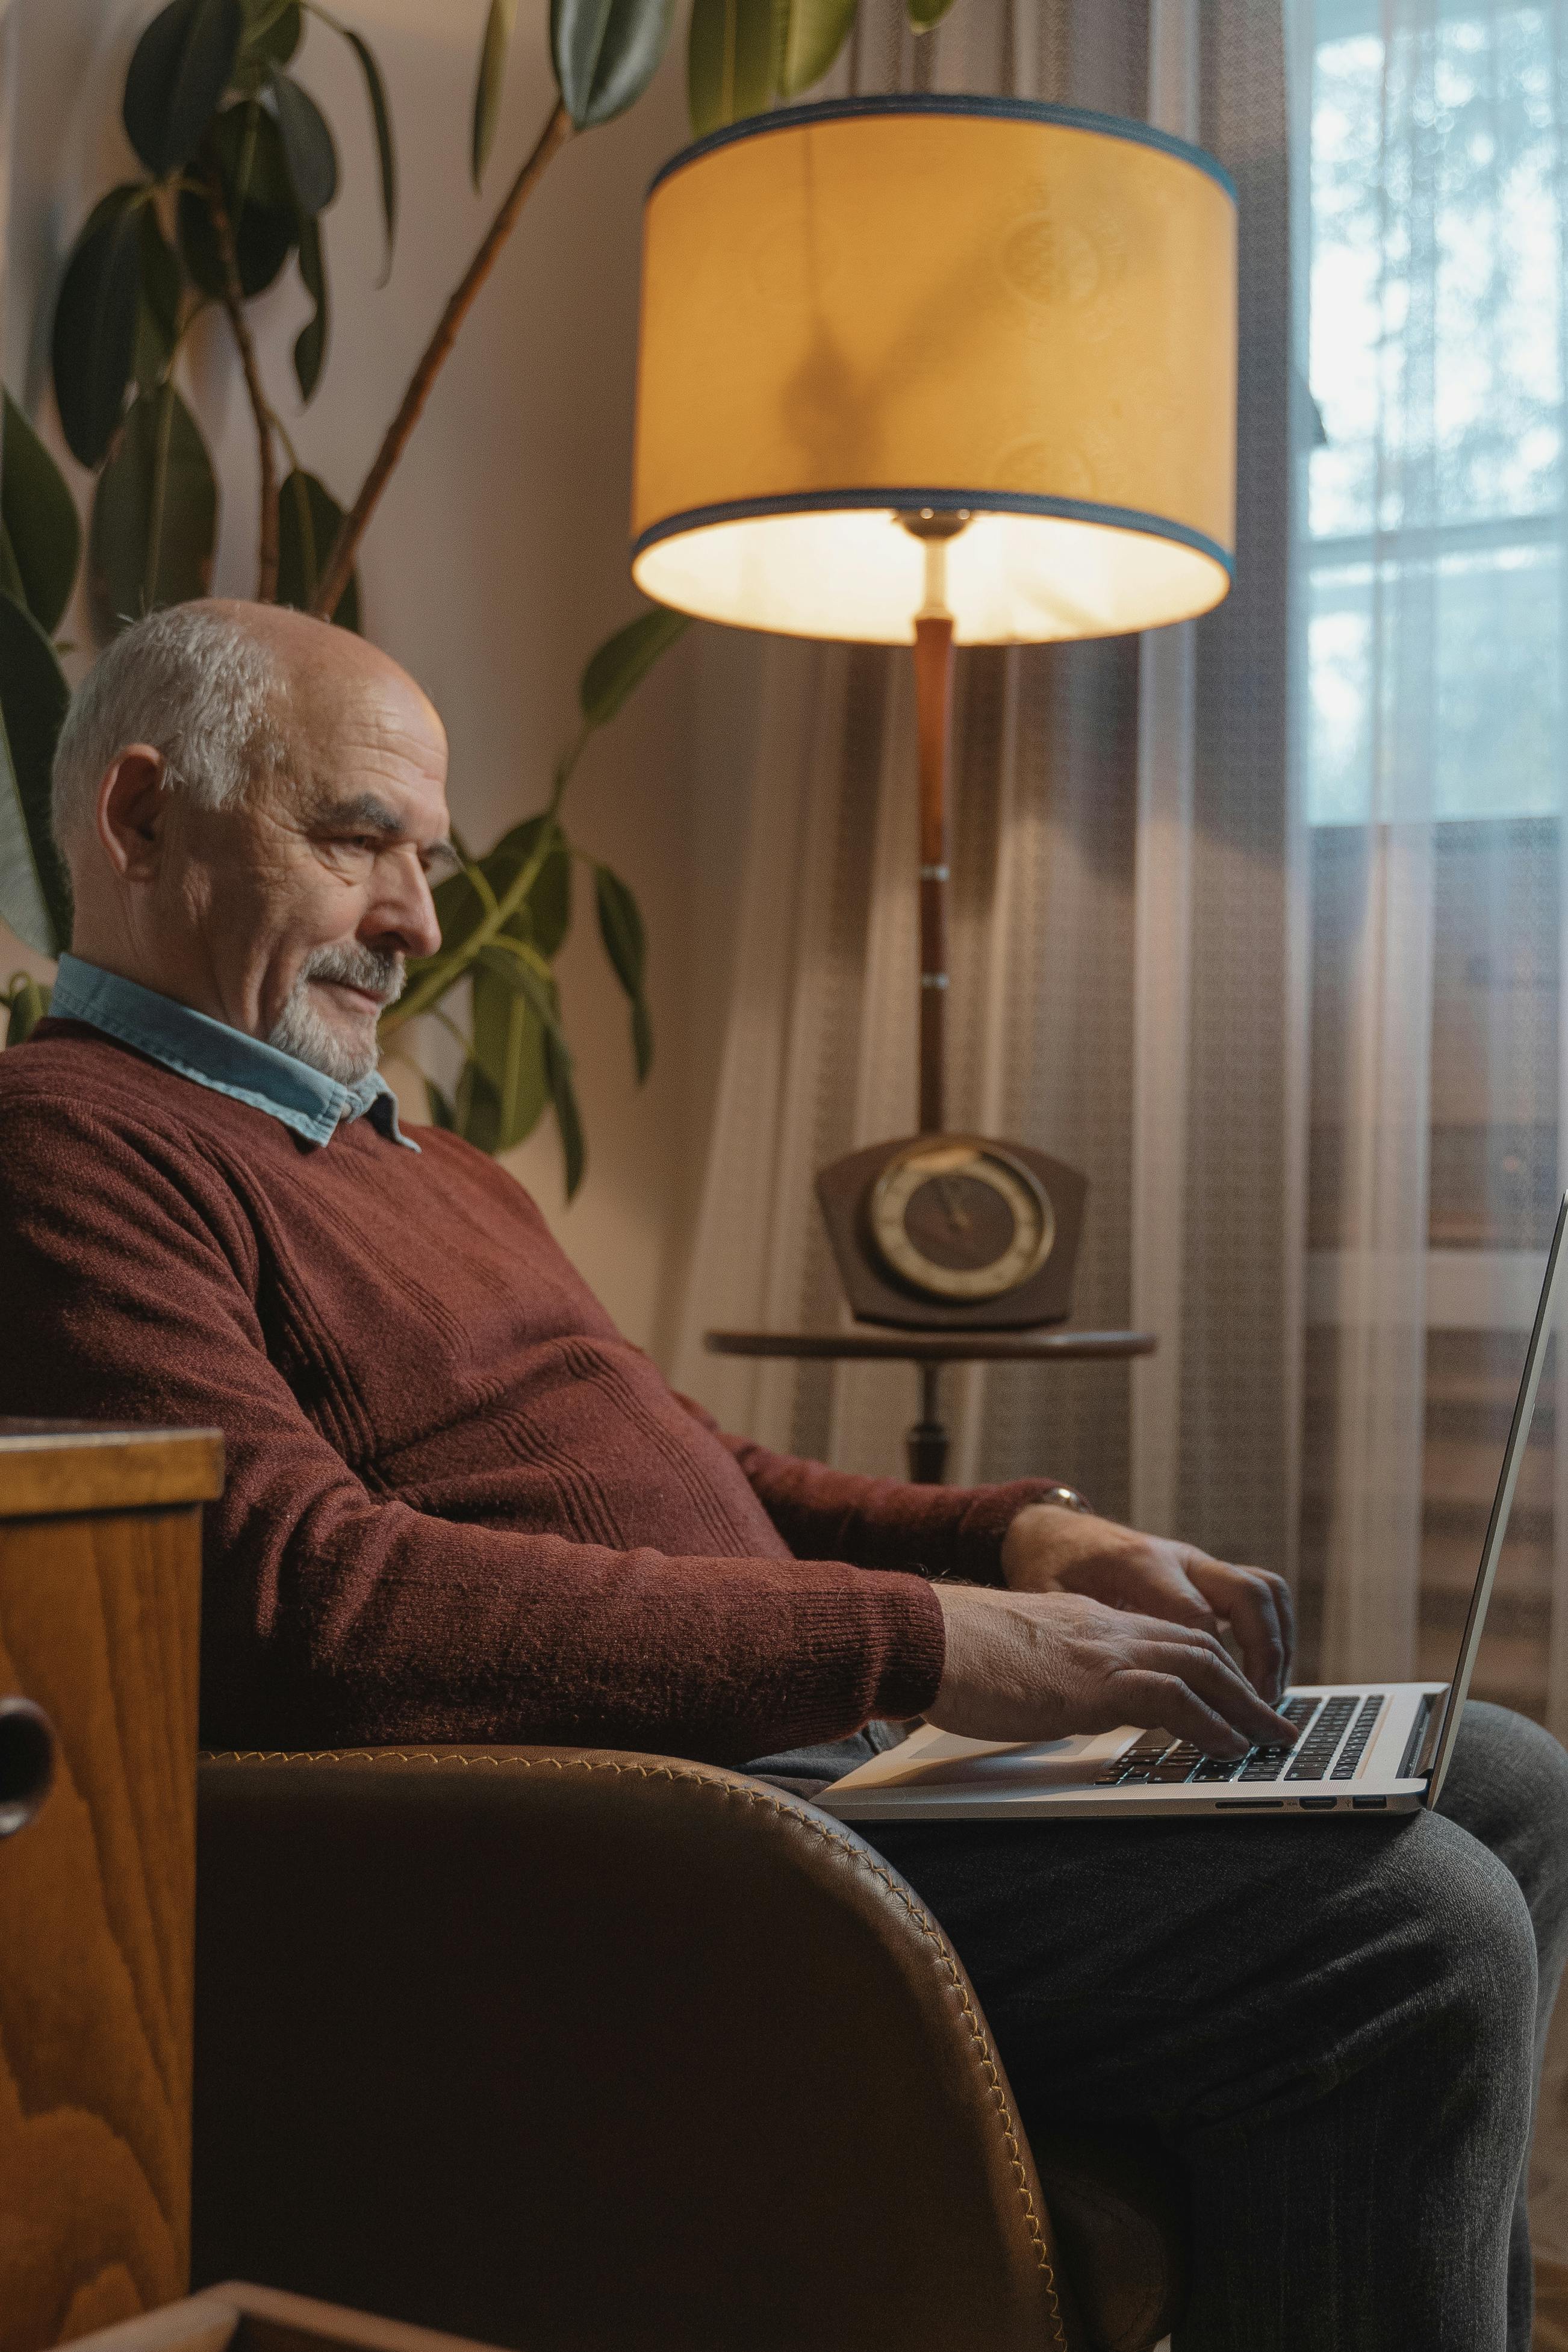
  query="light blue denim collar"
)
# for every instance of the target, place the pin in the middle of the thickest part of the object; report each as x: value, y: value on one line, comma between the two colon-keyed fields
x: 226, y: 1060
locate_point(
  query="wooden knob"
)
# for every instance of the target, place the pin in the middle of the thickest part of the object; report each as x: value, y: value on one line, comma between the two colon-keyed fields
x: 27, y: 1762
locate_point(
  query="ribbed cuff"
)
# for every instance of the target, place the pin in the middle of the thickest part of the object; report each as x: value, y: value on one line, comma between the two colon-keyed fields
x: 917, y: 1647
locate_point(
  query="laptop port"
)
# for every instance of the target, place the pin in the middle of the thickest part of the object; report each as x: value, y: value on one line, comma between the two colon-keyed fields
x: 1320, y: 1804
x: 1365, y: 1804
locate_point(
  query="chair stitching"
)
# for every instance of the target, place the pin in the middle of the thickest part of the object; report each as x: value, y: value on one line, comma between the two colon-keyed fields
x: 773, y: 1802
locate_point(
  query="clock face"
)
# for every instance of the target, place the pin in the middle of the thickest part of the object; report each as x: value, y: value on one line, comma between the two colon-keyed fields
x: 960, y: 1218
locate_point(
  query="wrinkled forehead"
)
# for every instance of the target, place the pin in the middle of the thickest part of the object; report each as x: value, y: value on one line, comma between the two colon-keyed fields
x: 366, y: 729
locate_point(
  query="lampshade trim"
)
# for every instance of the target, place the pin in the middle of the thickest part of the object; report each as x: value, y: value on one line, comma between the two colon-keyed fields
x: 881, y: 497
x: 1006, y: 110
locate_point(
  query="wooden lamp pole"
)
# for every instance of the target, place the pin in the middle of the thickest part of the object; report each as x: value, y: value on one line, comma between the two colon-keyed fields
x: 928, y: 1440
x: 934, y: 707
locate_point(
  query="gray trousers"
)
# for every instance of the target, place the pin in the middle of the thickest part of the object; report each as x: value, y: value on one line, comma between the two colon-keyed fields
x: 1335, y: 2026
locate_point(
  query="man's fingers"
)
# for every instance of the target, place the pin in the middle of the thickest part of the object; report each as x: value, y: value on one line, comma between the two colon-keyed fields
x: 1160, y: 1633
x: 1218, y: 1682
x: 1213, y: 1679
x: 1255, y: 1606
x: 1162, y: 1588
x: 1021, y: 1666
x: 1166, y: 1702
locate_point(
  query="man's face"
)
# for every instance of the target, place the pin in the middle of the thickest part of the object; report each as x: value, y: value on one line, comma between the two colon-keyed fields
x: 291, y: 918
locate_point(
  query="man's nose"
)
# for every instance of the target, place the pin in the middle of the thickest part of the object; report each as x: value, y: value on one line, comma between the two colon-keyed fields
x: 404, y: 914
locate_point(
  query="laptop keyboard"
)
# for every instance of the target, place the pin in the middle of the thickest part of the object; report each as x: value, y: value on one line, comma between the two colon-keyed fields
x: 1330, y: 1740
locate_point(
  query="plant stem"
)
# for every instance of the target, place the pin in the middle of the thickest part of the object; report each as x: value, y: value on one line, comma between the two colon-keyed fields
x: 335, y: 578
x: 234, y: 303
x: 435, y: 983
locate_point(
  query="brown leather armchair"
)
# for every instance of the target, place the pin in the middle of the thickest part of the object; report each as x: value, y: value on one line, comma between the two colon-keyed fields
x: 581, y: 2051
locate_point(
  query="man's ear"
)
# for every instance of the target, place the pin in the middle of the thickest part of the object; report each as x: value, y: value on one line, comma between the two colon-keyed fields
x: 133, y: 811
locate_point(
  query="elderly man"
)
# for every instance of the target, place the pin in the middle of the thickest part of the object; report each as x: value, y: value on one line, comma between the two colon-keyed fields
x: 460, y: 1506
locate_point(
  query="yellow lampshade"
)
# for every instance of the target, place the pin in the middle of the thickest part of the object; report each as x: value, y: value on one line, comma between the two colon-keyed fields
x: 1022, y: 312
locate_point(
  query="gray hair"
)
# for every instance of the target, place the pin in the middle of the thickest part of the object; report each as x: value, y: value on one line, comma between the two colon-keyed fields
x: 196, y: 685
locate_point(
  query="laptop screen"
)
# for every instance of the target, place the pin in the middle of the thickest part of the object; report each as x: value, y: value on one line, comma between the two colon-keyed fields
x: 1453, y: 1703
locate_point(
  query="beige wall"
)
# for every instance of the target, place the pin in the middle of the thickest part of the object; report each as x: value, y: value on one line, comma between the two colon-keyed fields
x: 499, y: 558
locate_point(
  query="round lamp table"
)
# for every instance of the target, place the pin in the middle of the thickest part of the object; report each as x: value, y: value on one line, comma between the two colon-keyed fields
x: 928, y: 1439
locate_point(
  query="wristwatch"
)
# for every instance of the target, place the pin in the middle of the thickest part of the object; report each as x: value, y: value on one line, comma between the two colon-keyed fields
x: 1066, y: 1499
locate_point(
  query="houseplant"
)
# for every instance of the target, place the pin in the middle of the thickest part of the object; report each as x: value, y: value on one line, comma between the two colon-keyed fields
x: 239, y: 168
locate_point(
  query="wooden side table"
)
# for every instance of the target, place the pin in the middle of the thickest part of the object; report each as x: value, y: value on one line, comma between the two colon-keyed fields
x: 928, y: 1439
x: 100, y: 1588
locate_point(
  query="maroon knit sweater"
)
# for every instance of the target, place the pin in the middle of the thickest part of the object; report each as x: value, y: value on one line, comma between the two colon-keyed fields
x: 459, y: 1506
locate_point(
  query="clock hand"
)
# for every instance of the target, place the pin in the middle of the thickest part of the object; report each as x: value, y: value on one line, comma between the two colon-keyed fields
x: 957, y: 1215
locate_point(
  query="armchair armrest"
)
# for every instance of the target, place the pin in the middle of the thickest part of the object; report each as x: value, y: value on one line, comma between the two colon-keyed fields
x: 567, y: 2049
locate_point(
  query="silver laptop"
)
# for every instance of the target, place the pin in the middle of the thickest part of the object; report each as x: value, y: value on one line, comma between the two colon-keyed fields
x: 1359, y: 1747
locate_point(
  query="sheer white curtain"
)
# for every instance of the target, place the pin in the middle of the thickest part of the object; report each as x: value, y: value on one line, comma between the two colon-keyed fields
x: 1124, y: 989
x: 1432, y: 566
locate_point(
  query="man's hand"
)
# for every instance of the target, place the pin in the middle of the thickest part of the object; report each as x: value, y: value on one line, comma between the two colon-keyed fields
x: 1048, y: 1549
x: 1028, y: 1665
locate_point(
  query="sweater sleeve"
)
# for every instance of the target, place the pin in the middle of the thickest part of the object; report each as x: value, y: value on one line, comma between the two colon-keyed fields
x: 333, y: 1613
x: 881, y: 1523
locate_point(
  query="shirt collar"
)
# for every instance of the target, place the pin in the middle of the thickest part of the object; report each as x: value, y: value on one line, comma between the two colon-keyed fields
x: 306, y: 1101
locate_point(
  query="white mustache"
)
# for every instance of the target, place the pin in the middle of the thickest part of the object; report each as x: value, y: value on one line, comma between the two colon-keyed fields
x: 380, y: 973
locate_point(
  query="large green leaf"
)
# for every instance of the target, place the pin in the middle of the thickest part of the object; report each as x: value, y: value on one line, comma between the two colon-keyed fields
x: 568, y: 1118
x: 10, y: 571
x: 162, y: 285
x: 39, y: 517
x: 625, y: 944
x: 549, y: 903
x: 272, y: 31
x: 624, y: 660
x: 924, y: 14
x: 179, y: 70
x: 247, y: 149
x: 158, y: 315
x: 545, y: 916
x: 310, y: 342
x: 95, y: 323
x: 521, y: 1061
x: 308, y: 520
x: 605, y: 53
x: 813, y: 33
x: 732, y: 60
x: 514, y: 1048
x: 35, y: 895
x: 487, y: 88
x: 519, y: 967
x: 477, y: 1111
x: 380, y: 121
x: 151, y: 357
x: 508, y: 1047
x: 154, y: 515
x: 308, y: 149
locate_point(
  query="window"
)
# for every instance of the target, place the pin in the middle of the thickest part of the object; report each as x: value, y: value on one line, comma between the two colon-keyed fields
x: 1435, y: 630
x: 1435, y: 520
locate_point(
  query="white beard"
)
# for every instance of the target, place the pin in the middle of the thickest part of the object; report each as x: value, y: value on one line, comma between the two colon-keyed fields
x: 300, y: 1029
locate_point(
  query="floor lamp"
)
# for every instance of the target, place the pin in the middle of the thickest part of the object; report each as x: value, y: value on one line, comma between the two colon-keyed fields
x: 954, y: 371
